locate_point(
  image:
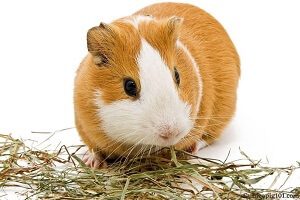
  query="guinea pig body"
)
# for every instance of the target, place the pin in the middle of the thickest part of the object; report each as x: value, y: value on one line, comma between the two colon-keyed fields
x: 166, y: 75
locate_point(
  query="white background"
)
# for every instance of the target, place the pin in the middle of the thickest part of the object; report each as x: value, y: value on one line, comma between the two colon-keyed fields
x: 43, y: 42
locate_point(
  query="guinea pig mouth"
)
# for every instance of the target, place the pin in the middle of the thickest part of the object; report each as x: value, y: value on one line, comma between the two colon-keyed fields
x: 168, y: 140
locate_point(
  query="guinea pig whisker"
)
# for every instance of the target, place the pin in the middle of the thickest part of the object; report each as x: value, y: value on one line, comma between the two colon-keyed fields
x: 136, y: 156
x: 129, y: 150
x: 209, y: 125
x: 147, y: 150
x: 115, y: 142
x: 142, y: 154
x: 157, y: 149
x: 215, y: 116
x: 150, y: 150
x: 196, y: 129
x: 133, y: 147
x: 124, y: 141
x: 136, y: 144
x: 212, y: 117
x: 143, y: 150
x: 217, y: 120
x: 199, y: 126
x: 114, y: 150
x: 209, y: 135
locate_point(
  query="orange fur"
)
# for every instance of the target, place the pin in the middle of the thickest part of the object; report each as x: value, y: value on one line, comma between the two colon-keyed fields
x: 207, y: 42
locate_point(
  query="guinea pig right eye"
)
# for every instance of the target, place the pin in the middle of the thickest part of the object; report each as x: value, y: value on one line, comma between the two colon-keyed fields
x: 130, y: 87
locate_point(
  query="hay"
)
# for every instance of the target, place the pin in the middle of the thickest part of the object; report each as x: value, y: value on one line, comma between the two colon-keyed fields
x: 61, y: 174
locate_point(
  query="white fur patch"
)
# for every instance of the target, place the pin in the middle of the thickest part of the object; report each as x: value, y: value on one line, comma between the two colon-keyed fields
x: 159, y: 108
x: 196, y: 71
x: 137, y: 19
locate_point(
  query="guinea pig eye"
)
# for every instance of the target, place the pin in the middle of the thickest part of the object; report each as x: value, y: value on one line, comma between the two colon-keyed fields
x: 130, y: 87
x: 177, y: 77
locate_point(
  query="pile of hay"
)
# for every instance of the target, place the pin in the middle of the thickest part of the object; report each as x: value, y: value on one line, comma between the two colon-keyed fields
x: 62, y: 175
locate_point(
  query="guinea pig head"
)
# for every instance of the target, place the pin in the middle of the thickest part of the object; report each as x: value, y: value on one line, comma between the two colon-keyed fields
x: 135, y: 81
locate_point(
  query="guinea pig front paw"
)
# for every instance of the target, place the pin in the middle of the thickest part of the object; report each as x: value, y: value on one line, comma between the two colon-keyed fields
x: 94, y: 160
x: 196, y: 147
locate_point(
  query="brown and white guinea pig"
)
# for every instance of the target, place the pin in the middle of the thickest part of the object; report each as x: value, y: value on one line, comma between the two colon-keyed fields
x: 166, y: 75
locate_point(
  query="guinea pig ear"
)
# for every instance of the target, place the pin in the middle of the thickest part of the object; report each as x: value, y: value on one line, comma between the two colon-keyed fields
x: 173, y: 25
x: 97, y: 39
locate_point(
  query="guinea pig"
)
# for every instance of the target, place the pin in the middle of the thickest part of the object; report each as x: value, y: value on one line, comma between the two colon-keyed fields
x: 166, y: 75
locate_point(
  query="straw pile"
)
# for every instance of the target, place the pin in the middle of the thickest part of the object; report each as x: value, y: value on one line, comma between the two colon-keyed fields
x: 61, y: 174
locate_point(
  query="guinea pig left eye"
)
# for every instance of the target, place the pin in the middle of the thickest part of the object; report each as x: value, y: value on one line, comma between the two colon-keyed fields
x: 177, y: 77
x: 130, y: 87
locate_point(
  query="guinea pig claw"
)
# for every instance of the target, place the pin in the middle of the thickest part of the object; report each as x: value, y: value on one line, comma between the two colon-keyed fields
x: 94, y: 160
